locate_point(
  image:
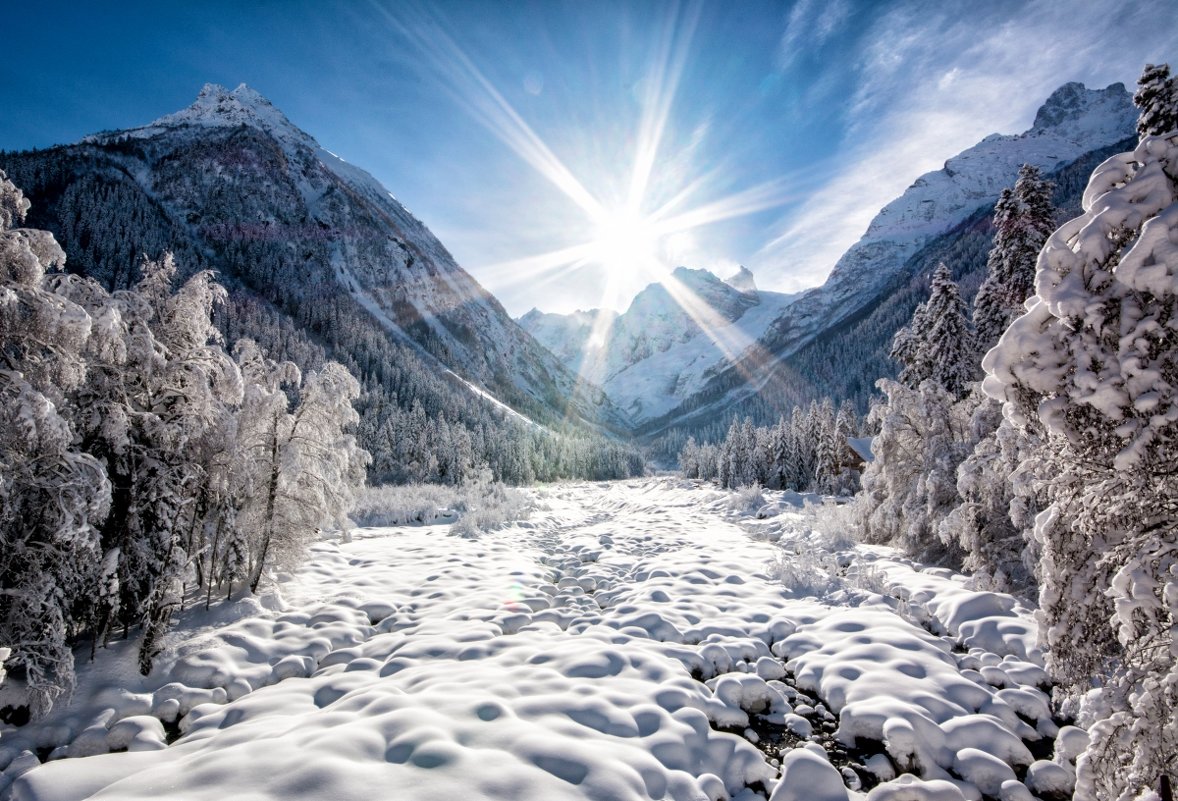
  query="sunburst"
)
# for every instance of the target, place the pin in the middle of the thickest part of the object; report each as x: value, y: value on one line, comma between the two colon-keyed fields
x: 632, y: 242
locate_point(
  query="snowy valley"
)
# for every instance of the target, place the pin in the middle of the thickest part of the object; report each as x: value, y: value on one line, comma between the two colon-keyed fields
x: 629, y: 640
x: 291, y: 508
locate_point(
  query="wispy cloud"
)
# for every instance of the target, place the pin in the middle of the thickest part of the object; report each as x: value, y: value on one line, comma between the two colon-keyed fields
x: 934, y: 81
x: 809, y: 26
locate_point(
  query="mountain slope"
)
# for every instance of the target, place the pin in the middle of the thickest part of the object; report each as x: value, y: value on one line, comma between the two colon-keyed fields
x: 672, y: 339
x: 935, y: 212
x: 847, y: 359
x: 320, y: 259
x: 1072, y: 122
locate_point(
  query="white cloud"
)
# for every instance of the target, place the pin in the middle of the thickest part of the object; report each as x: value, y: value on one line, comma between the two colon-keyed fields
x: 932, y: 83
x: 810, y: 24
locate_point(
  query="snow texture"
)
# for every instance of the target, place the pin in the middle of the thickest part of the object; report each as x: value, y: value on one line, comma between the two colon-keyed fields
x: 615, y: 646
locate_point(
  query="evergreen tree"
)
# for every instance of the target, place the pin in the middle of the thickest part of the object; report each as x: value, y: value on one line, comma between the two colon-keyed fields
x: 909, y: 349
x: 950, y: 341
x: 1095, y: 361
x: 826, y: 450
x: 992, y: 524
x: 1023, y: 219
x: 1157, y: 100
x: 938, y: 342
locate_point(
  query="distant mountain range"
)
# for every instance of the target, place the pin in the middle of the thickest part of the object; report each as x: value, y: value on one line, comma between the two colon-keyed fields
x: 672, y: 339
x: 828, y: 340
x: 323, y: 262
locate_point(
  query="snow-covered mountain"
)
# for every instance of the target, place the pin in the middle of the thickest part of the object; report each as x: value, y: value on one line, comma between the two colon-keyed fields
x: 816, y: 345
x: 675, y: 335
x: 231, y: 183
x: 1074, y: 121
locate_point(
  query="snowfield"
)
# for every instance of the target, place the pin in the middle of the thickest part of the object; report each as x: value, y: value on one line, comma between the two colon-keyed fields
x: 645, y: 639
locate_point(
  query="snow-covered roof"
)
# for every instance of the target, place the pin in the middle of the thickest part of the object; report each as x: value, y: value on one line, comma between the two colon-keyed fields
x: 862, y: 447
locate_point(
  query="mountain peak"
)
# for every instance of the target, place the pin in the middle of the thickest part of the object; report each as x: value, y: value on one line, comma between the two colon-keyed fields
x: 742, y: 281
x: 215, y: 106
x: 1073, y: 102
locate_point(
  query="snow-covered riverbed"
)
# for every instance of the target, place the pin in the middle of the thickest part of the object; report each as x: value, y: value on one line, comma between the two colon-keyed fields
x: 631, y: 640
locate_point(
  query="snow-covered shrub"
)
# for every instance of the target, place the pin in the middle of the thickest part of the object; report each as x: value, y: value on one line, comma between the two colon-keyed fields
x: 398, y: 505
x: 808, y: 560
x: 746, y: 501
x: 837, y: 522
x: 1095, y: 361
x: 480, y: 504
x: 487, y: 504
x: 807, y: 570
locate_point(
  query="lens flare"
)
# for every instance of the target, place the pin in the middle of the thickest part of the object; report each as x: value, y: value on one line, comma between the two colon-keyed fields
x: 634, y: 236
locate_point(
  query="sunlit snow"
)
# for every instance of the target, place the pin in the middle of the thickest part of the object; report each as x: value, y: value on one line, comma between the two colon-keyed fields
x: 631, y: 640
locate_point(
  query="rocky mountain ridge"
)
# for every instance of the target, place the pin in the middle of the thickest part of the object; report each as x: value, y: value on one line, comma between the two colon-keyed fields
x: 1071, y: 124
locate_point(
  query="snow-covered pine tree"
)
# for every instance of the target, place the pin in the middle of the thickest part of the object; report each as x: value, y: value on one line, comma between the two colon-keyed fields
x: 948, y: 348
x: 1157, y: 99
x: 52, y: 496
x: 938, y: 342
x: 780, y: 465
x: 995, y: 546
x: 1095, y: 360
x: 909, y: 349
x: 826, y: 451
x: 1023, y: 219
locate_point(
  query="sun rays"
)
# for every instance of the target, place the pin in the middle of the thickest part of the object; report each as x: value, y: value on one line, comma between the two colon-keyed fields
x: 633, y: 218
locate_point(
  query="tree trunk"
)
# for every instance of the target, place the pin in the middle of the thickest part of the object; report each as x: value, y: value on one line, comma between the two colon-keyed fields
x: 271, y: 502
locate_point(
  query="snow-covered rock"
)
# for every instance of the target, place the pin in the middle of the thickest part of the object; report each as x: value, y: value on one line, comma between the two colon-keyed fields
x: 805, y: 776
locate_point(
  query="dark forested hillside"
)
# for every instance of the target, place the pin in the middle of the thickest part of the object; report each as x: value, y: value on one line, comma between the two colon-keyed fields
x: 320, y: 263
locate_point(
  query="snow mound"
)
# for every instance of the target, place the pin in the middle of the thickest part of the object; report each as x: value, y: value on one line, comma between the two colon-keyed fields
x: 625, y: 643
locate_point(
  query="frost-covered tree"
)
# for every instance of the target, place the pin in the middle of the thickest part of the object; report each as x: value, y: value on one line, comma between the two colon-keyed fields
x: 52, y: 496
x: 949, y: 346
x: 299, y: 466
x: 689, y: 458
x: 938, y: 342
x: 827, y: 452
x: 1095, y: 361
x: 160, y: 386
x: 1157, y: 100
x: 992, y: 524
x: 999, y: 499
x: 910, y: 486
x: 1023, y: 219
x: 908, y: 349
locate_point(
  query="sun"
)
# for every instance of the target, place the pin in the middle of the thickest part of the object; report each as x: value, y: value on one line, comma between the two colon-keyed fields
x: 624, y: 241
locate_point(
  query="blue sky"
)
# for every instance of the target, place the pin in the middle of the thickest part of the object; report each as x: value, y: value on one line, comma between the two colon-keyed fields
x: 770, y: 133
